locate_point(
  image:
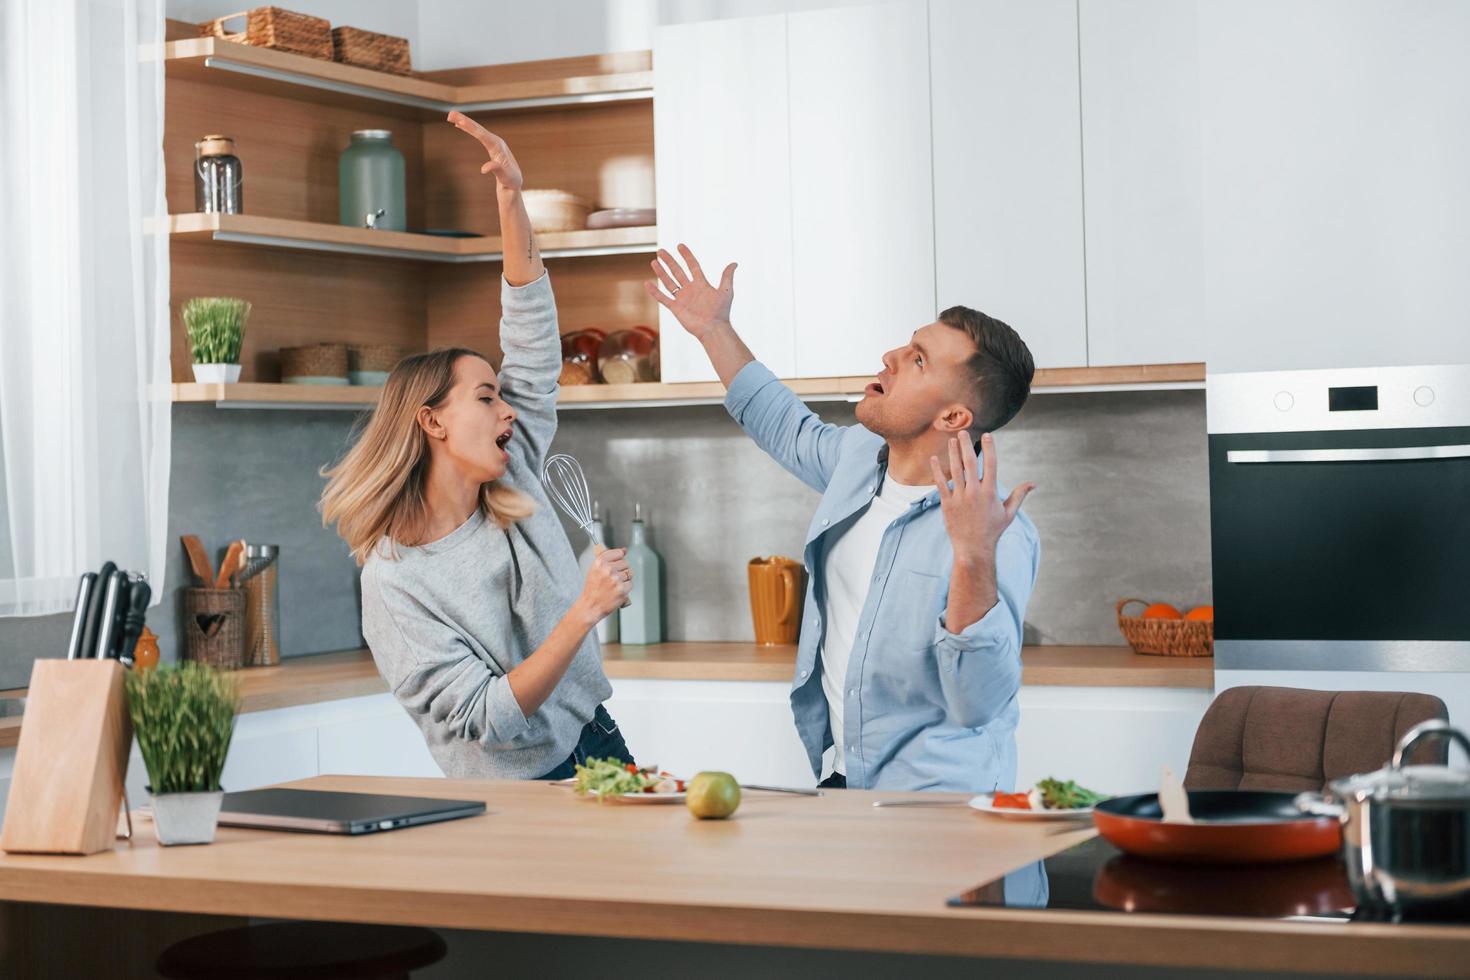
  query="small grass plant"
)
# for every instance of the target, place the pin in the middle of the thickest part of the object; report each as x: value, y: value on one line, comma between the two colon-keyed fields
x: 216, y: 328
x: 184, y: 718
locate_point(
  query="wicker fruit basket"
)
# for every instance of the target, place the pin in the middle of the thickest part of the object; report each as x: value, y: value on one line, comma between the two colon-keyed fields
x: 316, y: 361
x: 281, y: 30
x: 366, y: 49
x: 1166, y: 637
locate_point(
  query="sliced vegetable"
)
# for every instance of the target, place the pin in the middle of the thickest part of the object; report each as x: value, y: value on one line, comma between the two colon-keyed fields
x: 1011, y: 801
x: 613, y: 777
x: 1057, y: 795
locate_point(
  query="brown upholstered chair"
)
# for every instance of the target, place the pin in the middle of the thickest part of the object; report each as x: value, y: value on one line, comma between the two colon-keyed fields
x: 1294, y: 740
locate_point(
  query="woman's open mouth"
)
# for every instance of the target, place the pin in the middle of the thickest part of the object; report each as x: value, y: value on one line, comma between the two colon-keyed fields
x: 504, y: 439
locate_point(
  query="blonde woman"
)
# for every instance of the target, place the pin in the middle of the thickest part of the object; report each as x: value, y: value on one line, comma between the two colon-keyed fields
x: 471, y: 597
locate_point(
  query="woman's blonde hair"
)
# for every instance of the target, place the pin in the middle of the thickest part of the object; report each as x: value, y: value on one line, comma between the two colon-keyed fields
x: 376, y: 491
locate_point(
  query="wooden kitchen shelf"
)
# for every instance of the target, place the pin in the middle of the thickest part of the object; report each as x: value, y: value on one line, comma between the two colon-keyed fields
x: 266, y: 71
x: 247, y: 229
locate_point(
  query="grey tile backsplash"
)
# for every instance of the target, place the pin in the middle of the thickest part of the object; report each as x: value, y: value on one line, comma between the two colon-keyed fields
x: 1122, y: 507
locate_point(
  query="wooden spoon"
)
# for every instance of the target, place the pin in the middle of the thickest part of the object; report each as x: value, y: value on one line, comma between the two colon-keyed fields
x: 198, y: 559
x: 230, y: 565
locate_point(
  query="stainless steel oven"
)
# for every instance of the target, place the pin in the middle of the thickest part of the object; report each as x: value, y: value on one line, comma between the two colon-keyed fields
x: 1340, y: 519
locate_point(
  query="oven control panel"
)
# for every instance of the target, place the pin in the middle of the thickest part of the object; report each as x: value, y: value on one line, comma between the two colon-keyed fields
x: 1348, y: 398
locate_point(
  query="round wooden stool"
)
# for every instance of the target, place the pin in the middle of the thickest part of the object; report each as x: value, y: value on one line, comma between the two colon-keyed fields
x: 303, y: 951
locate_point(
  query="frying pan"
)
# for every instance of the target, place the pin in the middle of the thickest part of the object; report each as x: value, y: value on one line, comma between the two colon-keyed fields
x: 1234, y: 827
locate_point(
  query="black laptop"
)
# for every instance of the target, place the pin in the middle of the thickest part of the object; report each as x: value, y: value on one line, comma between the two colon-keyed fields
x: 325, y: 812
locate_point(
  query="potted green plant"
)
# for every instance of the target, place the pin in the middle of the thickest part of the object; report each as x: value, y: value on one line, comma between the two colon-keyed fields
x: 216, y: 329
x: 184, y: 717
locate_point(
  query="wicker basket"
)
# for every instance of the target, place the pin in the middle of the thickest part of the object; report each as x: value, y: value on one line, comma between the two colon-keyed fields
x: 374, y: 357
x: 556, y: 210
x: 282, y: 30
x: 314, y: 361
x: 1167, y: 637
x: 214, y: 627
x: 379, y: 52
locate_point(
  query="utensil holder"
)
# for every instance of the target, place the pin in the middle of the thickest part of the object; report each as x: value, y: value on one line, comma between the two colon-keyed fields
x: 214, y: 627
x: 69, y: 766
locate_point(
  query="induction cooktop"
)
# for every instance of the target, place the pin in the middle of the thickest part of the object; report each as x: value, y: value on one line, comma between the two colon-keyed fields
x: 1095, y: 876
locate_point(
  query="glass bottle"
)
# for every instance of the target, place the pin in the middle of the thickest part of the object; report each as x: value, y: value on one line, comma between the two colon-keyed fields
x: 219, y: 177
x: 371, y: 182
x: 607, y: 630
x: 641, y: 621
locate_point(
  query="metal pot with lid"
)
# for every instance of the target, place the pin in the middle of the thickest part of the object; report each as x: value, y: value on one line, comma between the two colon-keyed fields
x: 1405, y: 830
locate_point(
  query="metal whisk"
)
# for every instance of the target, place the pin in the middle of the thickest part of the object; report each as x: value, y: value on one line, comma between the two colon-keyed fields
x: 566, y: 484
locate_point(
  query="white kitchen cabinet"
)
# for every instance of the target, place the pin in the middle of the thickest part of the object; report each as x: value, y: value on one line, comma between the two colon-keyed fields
x: 1141, y: 177
x: 371, y: 737
x: 1115, y: 740
x: 1008, y: 227
x: 724, y: 185
x: 740, y: 727
x: 1336, y: 144
x: 862, y: 210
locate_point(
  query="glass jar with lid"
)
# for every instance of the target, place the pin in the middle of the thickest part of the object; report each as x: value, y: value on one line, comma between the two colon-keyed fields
x: 371, y: 182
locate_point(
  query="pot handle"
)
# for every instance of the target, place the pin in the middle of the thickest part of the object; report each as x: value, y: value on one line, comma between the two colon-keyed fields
x: 1427, y: 729
x: 1319, y: 806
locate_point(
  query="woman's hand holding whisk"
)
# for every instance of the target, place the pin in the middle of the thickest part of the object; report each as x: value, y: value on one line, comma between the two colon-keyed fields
x: 609, y: 581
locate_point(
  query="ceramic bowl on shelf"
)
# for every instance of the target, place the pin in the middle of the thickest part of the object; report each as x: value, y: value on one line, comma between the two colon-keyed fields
x: 629, y: 357
x: 552, y: 210
x: 623, y: 218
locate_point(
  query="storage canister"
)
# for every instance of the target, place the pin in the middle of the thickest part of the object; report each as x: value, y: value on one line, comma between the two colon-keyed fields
x: 371, y: 182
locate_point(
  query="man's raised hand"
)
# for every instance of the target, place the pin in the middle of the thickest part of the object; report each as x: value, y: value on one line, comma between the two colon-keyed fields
x: 696, y: 304
x: 974, y: 514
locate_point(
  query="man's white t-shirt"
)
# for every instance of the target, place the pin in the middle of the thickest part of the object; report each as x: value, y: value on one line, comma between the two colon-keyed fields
x: 849, y: 572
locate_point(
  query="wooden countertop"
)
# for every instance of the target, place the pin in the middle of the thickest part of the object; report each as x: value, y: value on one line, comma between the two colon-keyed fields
x: 351, y: 673
x: 828, y: 872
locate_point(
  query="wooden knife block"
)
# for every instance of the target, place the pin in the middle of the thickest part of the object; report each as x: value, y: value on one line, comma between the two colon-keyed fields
x: 71, y: 760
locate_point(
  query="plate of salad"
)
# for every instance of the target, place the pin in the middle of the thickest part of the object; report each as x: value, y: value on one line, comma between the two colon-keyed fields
x: 623, y: 782
x: 1050, y: 799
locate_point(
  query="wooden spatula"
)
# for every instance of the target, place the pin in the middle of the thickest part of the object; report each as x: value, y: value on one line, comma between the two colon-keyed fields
x: 198, y: 559
x: 1173, y: 800
x: 230, y: 565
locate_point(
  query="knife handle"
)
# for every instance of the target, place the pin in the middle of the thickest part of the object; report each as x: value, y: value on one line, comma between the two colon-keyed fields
x: 110, y: 601
x: 94, y: 610
x: 79, y: 617
x: 133, y: 617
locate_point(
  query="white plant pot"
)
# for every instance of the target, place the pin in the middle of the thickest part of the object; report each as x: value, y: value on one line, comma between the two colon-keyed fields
x: 186, y: 818
x: 216, y: 374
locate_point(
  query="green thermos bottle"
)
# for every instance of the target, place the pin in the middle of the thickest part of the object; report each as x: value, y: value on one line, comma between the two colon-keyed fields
x: 641, y: 621
x: 371, y: 183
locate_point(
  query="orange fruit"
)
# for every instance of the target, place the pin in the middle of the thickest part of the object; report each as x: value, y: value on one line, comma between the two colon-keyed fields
x: 1203, y: 614
x: 1162, y: 610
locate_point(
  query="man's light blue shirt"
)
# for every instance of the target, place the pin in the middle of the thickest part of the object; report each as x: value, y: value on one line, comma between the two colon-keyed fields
x: 926, y: 709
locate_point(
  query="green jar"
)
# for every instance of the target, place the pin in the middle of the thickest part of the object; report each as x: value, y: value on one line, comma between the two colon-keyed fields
x: 370, y: 182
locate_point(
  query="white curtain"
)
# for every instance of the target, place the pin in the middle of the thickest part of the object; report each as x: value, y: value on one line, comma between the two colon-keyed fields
x: 84, y: 321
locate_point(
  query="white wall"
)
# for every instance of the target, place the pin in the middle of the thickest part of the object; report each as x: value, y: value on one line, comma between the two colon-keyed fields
x: 454, y: 33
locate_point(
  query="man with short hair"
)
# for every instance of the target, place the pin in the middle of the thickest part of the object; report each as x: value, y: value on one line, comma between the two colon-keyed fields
x: 910, y: 655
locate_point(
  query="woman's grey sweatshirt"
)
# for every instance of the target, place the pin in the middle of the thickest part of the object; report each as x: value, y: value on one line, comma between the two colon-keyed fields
x: 448, y: 620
